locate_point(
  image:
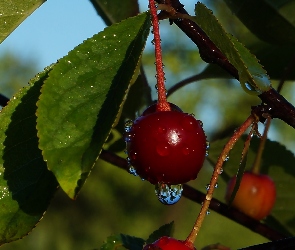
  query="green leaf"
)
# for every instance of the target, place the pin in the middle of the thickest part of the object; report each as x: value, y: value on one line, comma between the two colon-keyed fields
x: 165, y: 230
x: 275, y: 59
x: 122, y: 242
x: 252, y: 76
x: 26, y: 186
x: 13, y: 13
x: 265, y: 19
x: 278, y: 163
x: 116, y: 10
x: 82, y: 97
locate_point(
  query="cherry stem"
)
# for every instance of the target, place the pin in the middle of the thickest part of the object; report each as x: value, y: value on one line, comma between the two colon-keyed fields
x: 217, y: 171
x: 257, y: 162
x: 163, y: 105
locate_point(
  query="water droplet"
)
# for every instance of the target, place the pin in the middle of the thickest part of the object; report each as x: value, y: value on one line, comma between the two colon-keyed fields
x: 128, y: 161
x: 156, y: 86
x: 220, y: 171
x: 163, y: 149
x: 201, y: 123
x: 127, y: 137
x: 226, y: 158
x: 216, y: 185
x: 207, y: 145
x: 152, y: 31
x: 128, y: 125
x: 186, y: 150
x: 188, y: 122
x: 132, y: 155
x: 206, y: 153
x: 162, y: 130
x: 207, y: 187
x: 132, y: 170
x: 153, y: 42
x: 207, y: 212
x: 168, y: 194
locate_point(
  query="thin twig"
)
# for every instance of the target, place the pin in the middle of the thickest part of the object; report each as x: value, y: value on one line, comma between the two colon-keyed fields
x: 215, y: 205
x: 280, y: 108
x: 217, y: 171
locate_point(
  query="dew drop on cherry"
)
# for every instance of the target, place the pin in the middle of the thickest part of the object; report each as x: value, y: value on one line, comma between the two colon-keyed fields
x: 132, y: 170
x: 162, y: 130
x: 185, y: 150
x: 187, y: 122
x: 163, y: 149
x: 127, y: 137
x: 168, y: 194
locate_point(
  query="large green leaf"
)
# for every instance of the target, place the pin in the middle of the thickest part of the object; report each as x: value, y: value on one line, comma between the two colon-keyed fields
x: 252, y: 76
x: 81, y: 99
x: 265, y: 19
x: 116, y: 10
x: 26, y: 186
x: 13, y: 13
x: 278, y: 163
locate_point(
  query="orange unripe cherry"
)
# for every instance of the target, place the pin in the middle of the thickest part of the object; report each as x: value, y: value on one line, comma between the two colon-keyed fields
x: 256, y: 195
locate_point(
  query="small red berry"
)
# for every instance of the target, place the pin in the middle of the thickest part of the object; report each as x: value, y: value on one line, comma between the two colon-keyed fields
x: 256, y: 195
x: 166, y: 146
x: 167, y: 243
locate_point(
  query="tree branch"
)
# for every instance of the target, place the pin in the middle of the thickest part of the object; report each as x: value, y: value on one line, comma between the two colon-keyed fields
x: 278, y: 106
x: 215, y: 205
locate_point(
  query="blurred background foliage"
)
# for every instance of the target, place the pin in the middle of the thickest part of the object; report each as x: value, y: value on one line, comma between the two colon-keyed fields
x: 113, y: 201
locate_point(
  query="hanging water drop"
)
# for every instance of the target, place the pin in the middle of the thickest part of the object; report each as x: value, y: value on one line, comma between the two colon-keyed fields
x: 207, y: 187
x: 207, y: 212
x: 168, y: 194
x: 153, y: 42
x: 207, y: 145
x: 216, y: 185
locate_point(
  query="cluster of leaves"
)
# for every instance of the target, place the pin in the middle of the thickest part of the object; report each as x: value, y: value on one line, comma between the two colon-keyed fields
x: 58, y: 125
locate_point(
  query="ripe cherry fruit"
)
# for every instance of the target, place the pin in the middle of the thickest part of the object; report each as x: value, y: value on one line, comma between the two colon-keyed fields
x: 256, y: 195
x: 166, y: 146
x: 167, y: 243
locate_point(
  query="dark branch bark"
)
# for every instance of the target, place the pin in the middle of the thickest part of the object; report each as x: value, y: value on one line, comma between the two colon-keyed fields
x: 215, y: 205
x: 278, y: 106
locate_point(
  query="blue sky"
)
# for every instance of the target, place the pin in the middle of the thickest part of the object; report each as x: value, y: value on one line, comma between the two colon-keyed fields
x: 56, y: 28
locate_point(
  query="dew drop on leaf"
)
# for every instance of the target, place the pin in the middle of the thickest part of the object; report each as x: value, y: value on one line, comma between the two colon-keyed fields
x: 168, y: 194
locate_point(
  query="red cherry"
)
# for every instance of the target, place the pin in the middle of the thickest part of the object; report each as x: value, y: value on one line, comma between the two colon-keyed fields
x: 256, y: 195
x: 166, y: 146
x: 167, y: 243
